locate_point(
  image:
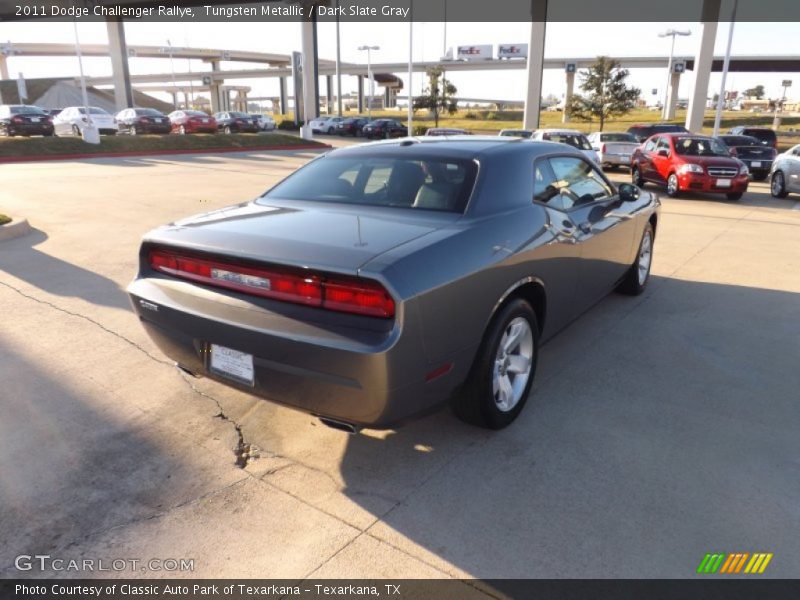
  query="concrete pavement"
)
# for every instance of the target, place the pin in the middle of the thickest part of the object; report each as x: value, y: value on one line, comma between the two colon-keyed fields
x: 661, y: 427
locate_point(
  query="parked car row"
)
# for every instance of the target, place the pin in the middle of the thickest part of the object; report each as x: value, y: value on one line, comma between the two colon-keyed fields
x: 24, y: 120
x: 381, y: 128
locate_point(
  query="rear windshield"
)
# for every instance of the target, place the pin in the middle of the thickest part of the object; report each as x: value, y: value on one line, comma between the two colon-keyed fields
x: 238, y: 115
x: 699, y: 147
x: 517, y: 133
x: 571, y: 139
x: 668, y: 128
x: 93, y: 110
x: 740, y: 140
x: 148, y: 112
x: 195, y: 113
x: 407, y: 182
x: 26, y: 110
x: 617, y: 137
x: 761, y: 134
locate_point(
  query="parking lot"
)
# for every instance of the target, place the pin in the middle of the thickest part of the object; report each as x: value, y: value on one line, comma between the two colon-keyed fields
x: 661, y: 427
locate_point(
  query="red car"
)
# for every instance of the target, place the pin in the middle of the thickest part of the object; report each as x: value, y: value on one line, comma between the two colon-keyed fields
x: 686, y: 162
x: 192, y: 121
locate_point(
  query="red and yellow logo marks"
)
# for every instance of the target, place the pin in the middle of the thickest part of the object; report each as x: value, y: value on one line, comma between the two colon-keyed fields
x: 735, y: 562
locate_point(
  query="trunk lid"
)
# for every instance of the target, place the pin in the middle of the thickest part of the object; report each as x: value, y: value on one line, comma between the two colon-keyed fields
x: 332, y: 239
x: 619, y: 147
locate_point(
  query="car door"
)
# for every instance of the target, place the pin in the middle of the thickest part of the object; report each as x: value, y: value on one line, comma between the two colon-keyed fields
x: 646, y: 163
x: 602, y: 224
x: 662, y: 160
x: 64, y: 125
x: 793, y: 170
x: 124, y: 121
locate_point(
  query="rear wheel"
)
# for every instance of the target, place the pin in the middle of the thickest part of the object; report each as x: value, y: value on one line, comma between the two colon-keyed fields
x: 636, y: 176
x: 673, y: 189
x: 501, y: 377
x: 133, y: 130
x: 639, y: 274
x: 777, y: 186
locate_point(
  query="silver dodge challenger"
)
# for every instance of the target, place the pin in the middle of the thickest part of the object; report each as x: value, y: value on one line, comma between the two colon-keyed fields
x: 382, y: 280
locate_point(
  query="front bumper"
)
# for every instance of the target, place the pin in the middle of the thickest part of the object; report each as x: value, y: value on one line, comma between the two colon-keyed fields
x: 695, y: 182
x: 370, y: 378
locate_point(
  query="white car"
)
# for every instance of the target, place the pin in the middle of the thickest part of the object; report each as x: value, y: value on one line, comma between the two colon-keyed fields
x: 785, y: 175
x: 73, y: 119
x: 571, y: 137
x: 319, y: 124
x: 520, y: 133
x: 265, y: 122
x: 614, y: 149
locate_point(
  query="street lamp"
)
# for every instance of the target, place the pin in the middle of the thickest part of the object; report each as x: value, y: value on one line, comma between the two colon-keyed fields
x: 670, y: 33
x: 172, y: 68
x: 369, y: 50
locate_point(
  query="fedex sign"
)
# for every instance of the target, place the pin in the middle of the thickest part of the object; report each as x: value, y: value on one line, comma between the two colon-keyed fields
x: 477, y: 52
x: 512, y: 51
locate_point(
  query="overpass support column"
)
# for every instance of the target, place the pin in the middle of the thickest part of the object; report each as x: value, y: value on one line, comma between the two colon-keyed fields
x: 310, y: 83
x: 215, y: 91
x: 533, y: 98
x: 329, y: 93
x: 118, y: 49
x: 360, y: 94
x: 3, y: 67
x: 672, y: 97
x: 282, y: 92
x: 565, y: 116
x: 702, y: 65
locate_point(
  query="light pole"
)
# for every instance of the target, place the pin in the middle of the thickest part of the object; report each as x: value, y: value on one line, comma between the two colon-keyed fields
x: 726, y: 63
x: 670, y: 33
x: 172, y: 68
x: 369, y: 50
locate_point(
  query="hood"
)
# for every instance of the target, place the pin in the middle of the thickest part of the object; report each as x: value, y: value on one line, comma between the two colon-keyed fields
x: 711, y: 161
x: 304, y: 234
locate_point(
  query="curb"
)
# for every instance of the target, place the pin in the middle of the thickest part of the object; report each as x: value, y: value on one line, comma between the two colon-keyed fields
x: 17, y: 228
x: 135, y: 153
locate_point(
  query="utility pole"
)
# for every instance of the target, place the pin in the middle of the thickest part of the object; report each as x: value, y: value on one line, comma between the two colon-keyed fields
x: 670, y: 33
x: 726, y: 63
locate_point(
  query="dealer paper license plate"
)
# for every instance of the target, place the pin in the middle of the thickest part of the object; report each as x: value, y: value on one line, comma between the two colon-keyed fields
x: 232, y: 364
x: 755, y: 163
x: 723, y: 183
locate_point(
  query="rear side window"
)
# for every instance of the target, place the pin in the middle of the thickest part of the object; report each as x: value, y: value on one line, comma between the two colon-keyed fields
x: 401, y: 182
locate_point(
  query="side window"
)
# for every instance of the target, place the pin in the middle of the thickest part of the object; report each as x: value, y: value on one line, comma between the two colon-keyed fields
x: 544, y: 184
x: 663, y: 144
x: 650, y: 146
x: 378, y: 178
x: 578, y: 182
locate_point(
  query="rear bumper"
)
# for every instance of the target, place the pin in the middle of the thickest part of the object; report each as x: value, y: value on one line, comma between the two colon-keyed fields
x: 690, y: 182
x: 367, y: 378
x: 616, y: 159
x: 167, y: 128
x: 30, y: 129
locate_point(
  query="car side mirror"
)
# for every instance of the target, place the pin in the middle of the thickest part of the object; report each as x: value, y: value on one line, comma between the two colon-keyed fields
x: 628, y: 192
x: 664, y: 153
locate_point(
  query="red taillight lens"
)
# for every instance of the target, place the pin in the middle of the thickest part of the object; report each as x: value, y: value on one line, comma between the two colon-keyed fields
x: 603, y: 148
x: 18, y: 120
x: 144, y: 120
x: 351, y: 295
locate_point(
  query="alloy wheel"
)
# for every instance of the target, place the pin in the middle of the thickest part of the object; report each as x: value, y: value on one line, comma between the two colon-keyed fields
x: 645, y: 257
x: 672, y: 185
x: 512, y: 364
x: 777, y: 184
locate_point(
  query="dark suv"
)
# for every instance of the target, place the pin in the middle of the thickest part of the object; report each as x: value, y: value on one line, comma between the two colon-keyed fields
x: 763, y: 134
x: 643, y: 132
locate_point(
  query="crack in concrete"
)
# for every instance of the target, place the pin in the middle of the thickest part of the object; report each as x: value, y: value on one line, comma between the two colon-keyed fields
x: 244, y: 452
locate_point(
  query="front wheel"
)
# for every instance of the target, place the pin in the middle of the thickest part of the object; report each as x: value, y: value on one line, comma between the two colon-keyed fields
x: 673, y: 189
x: 134, y: 131
x: 777, y: 186
x: 636, y: 177
x: 639, y: 274
x: 501, y: 377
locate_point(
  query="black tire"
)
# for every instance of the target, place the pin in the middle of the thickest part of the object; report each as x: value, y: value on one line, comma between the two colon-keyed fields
x: 734, y: 196
x: 475, y: 404
x: 673, y: 189
x: 636, y: 176
x: 632, y: 284
x: 777, y: 185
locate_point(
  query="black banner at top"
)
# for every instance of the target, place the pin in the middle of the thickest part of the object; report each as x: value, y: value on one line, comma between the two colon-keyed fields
x: 366, y: 11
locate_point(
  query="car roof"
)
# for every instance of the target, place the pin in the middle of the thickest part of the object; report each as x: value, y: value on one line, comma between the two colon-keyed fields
x: 560, y: 130
x: 456, y: 146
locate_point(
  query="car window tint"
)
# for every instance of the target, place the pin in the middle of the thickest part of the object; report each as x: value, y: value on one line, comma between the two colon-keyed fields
x: 650, y: 146
x: 427, y: 183
x: 662, y: 144
x: 578, y: 182
x: 544, y: 184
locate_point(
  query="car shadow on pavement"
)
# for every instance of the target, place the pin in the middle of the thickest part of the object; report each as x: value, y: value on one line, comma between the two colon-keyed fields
x: 70, y: 470
x: 659, y: 427
x: 21, y: 259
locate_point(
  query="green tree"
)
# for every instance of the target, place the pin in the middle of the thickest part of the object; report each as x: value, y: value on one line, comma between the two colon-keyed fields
x: 755, y: 92
x: 439, y: 96
x: 605, y: 93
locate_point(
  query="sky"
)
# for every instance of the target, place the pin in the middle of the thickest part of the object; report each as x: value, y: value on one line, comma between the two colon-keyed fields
x: 430, y: 39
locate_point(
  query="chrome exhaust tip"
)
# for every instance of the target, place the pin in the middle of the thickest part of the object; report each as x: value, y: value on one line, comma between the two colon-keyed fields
x: 340, y: 425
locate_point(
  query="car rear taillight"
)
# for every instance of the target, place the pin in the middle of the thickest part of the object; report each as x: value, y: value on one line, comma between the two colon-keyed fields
x: 343, y: 294
x: 18, y: 120
x: 144, y: 120
x: 603, y: 148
